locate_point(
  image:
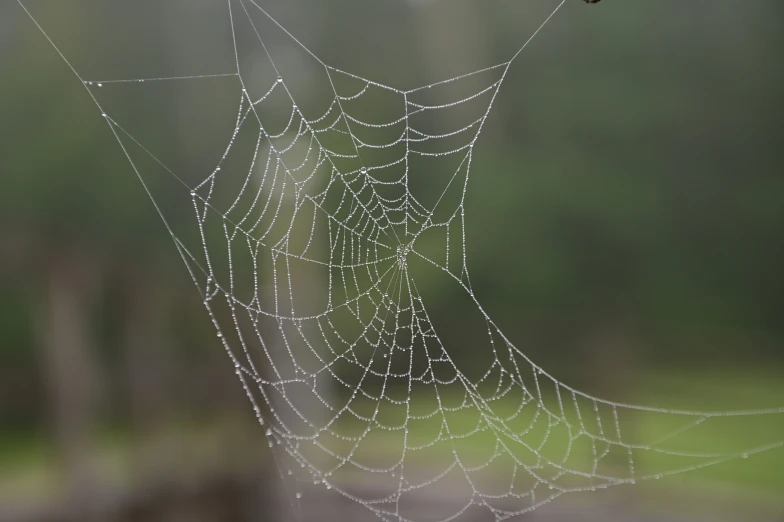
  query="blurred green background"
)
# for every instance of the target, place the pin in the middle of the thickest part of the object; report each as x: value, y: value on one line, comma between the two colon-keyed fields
x: 625, y: 229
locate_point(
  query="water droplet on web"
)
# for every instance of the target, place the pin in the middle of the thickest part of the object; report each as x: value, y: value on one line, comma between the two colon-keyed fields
x: 299, y: 495
x: 193, y: 193
x: 100, y: 85
x: 744, y: 455
x: 280, y: 79
x: 268, y: 432
x: 220, y: 334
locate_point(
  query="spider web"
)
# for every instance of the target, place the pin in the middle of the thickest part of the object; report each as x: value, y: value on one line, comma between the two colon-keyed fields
x: 319, y: 236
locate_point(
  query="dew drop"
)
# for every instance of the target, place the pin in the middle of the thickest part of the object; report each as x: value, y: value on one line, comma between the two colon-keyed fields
x: 744, y: 456
x: 220, y: 334
x: 363, y: 170
x: 100, y: 85
x: 299, y: 495
x: 268, y: 432
x: 280, y: 79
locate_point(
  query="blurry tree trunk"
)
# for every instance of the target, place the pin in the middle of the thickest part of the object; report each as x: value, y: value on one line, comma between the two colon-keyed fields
x: 451, y: 34
x: 309, y: 291
x: 610, y: 355
x: 70, y: 370
x: 150, y: 366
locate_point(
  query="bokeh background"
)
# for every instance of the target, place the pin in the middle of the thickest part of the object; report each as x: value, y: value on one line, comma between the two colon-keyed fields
x: 625, y: 229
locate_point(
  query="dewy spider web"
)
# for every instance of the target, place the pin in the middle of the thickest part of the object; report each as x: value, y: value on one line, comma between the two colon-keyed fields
x: 338, y: 355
